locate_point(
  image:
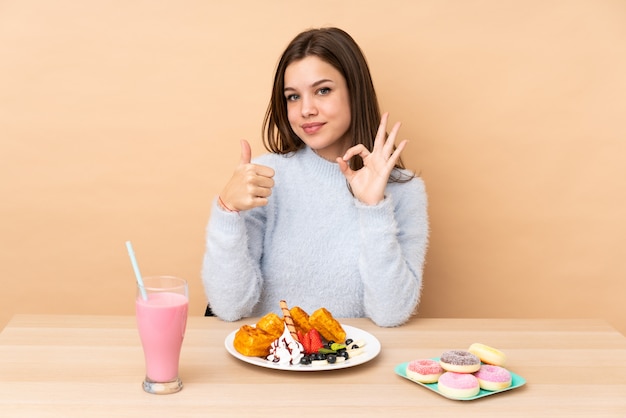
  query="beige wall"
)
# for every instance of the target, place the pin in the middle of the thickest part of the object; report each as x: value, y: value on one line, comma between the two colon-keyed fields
x: 120, y: 121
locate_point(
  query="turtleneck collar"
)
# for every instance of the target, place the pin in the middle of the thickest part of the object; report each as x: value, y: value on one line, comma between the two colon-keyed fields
x: 320, y: 164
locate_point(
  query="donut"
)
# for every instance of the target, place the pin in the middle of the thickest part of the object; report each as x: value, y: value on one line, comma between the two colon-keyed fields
x: 458, y: 385
x: 488, y: 354
x: 493, y: 377
x: 424, y: 370
x: 459, y: 361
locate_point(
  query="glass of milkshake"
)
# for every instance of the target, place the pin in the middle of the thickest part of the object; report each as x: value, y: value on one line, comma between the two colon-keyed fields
x: 161, y: 306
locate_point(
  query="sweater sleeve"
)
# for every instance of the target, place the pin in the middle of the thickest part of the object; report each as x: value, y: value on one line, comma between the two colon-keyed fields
x: 394, y: 237
x: 230, y: 274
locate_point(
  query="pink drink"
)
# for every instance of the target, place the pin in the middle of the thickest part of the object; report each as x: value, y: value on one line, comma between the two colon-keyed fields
x: 161, y: 321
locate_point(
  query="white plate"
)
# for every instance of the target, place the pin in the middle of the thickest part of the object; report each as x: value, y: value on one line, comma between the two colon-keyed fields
x: 371, y: 350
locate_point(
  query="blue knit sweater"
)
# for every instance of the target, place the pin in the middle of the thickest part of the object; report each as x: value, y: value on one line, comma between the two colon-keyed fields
x: 315, y: 245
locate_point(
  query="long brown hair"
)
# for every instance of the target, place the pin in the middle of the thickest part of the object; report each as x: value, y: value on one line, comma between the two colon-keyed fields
x: 337, y: 48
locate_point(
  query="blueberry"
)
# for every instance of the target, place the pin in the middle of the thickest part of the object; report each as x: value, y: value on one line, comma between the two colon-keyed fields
x: 331, y: 358
x: 349, y: 341
x: 305, y: 360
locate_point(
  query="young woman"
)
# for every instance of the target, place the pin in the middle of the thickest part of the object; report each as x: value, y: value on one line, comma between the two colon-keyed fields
x: 329, y: 217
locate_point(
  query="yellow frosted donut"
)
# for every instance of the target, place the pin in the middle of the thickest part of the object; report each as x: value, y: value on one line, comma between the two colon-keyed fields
x: 488, y: 354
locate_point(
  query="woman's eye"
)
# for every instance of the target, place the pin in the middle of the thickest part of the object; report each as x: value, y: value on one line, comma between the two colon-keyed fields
x: 324, y: 91
x: 292, y: 97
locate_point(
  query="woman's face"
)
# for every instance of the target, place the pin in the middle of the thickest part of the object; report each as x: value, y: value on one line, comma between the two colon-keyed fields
x: 318, y: 106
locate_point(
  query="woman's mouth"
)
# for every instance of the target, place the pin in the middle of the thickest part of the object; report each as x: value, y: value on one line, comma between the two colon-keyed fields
x: 311, y: 128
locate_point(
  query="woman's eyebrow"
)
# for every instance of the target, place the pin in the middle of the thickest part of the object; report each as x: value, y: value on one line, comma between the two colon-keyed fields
x: 322, y: 81
x: 317, y: 83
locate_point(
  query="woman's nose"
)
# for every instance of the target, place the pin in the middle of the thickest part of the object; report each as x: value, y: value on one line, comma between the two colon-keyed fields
x: 308, y: 107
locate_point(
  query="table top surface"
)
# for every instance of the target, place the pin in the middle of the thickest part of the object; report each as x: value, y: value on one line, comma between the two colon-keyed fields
x: 56, y: 365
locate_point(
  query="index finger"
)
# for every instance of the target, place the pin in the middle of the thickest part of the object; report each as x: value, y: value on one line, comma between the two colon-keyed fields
x: 264, y: 171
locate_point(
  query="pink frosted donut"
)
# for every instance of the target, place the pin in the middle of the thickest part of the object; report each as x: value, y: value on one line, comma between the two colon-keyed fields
x: 459, y: 361
x: 458, y: 385
x: 424, y: 370
x: 493, y: 377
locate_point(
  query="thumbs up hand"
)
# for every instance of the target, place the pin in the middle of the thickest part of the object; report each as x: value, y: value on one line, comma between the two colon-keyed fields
x: 250, y: 184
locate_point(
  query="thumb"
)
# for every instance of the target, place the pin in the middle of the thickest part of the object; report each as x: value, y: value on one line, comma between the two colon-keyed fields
x: 246, y: 152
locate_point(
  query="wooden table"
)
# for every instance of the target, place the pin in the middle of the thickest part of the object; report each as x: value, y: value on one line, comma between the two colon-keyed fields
x: 92, y: 366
